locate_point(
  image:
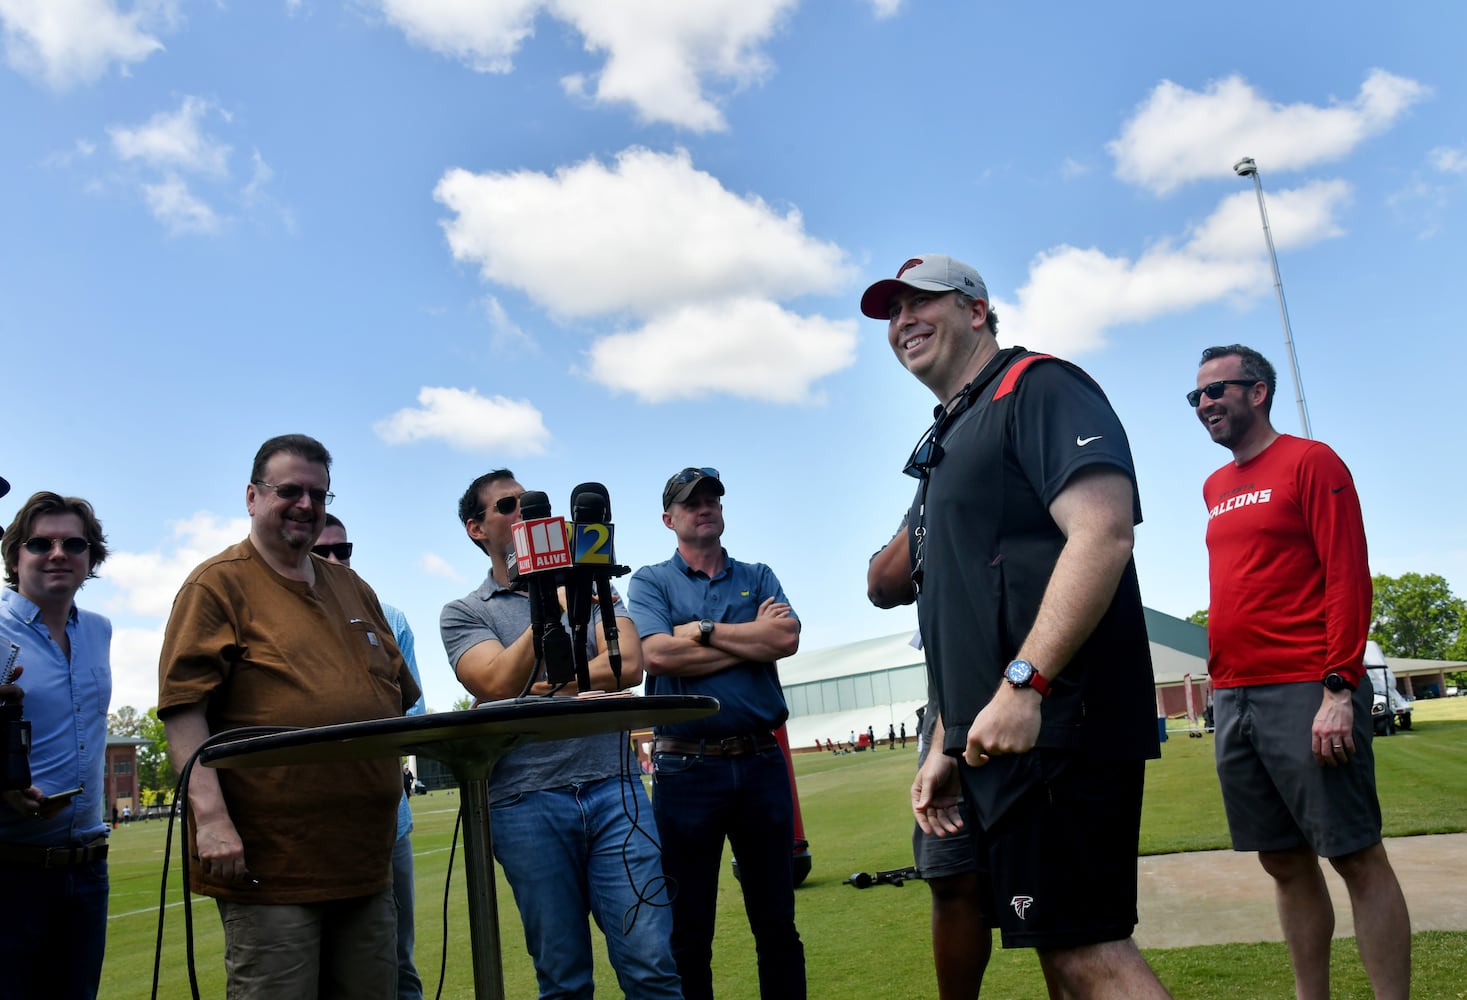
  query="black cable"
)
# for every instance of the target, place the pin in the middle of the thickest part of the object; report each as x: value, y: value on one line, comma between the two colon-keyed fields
x: 447, y: 882
x: 180, y: 811
x: 659, y: 884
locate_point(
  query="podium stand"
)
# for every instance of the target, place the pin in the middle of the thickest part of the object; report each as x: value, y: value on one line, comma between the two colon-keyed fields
x: 470, y: 743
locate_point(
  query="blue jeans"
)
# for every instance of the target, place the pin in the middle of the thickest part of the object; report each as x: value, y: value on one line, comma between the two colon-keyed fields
x: 698, y: 801
x: 409, y: 986
x: 572, y: 851
x: 55, y: 931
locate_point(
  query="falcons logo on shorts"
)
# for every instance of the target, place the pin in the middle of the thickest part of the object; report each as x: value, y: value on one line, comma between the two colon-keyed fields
x: 1021, y: 905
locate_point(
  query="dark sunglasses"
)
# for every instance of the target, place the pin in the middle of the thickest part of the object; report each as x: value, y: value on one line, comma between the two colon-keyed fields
x: 504, y: 505
x: 690, y: 475
x: 291, y: 492
x: 341, y: 550
x: 1215, y: 390
x: 73, y: 546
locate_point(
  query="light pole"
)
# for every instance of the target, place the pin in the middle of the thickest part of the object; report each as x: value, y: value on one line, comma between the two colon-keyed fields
x: 1247, y: 168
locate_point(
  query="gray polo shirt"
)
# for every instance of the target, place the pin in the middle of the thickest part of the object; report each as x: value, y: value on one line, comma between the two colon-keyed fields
x: 495, y: 612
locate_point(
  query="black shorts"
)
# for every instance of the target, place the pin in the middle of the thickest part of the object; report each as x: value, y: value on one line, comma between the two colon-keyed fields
x: 1058, y: 868
x: 943, y: 857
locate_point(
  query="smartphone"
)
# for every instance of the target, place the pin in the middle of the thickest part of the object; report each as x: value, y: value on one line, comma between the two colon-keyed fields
x: 65, y: 796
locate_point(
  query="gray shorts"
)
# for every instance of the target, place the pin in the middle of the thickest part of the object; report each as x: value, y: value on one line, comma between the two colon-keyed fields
x: 1277, y: 796
x: 939, y: 857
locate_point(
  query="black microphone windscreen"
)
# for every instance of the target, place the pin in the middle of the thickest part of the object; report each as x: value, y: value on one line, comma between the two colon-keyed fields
x: 534, y: 504
x: 582, y: 495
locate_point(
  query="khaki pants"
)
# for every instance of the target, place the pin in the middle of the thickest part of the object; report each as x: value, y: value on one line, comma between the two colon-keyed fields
x: 341, y: 950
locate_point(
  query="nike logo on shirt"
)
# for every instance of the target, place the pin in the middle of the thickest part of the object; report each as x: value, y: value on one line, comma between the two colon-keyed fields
x: 1082, y: 442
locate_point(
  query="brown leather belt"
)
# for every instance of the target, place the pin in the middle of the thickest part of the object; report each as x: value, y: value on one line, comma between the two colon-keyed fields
x: 728, y: 746
x: 35, y: 856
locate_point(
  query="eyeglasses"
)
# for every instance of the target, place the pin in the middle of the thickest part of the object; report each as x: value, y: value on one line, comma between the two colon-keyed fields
x: 691, y: 474
x: 291, y: 492
x: 1216, y: 389
x: 504, y: 505
x: 927, y: 454
x: 40, y: 546
x: 341, y: 550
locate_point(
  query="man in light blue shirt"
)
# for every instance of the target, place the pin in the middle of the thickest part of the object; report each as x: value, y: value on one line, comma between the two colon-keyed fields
x: 333, y: 545
x: 53, y: 841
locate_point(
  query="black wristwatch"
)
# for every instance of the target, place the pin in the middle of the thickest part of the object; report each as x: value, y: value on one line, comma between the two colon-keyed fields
x: 1337, y: 682
x: 1021, y: 674
x: 705, y: 631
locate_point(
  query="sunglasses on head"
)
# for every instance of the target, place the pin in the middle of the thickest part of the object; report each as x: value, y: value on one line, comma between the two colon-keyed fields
x: 1215, y: 390
x: 691, y: 474
x: 40, y: 546
x: 291, y: 492
x: 341, y: 550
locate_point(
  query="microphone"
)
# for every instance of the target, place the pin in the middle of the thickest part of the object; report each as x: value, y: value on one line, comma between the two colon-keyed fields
x: 541, y: 556
x: 594, y: 558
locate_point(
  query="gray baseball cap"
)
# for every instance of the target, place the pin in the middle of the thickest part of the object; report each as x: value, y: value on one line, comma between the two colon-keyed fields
x: 933, y: 272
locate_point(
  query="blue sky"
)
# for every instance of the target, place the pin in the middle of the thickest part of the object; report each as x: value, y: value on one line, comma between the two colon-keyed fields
x: 605, y: 239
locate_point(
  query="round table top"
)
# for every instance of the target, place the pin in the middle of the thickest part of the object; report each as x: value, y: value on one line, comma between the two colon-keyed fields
x: 473, y: 738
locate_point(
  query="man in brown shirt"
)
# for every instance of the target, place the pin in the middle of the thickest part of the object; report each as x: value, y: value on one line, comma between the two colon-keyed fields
x: 265, y: 633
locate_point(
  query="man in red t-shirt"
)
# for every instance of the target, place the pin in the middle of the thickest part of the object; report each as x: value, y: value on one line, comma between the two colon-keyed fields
x: 1286, y: 627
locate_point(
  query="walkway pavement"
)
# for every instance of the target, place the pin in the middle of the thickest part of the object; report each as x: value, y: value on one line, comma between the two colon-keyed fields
x: 1222, y: 897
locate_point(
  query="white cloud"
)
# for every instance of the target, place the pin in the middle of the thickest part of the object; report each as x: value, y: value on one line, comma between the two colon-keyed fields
x: 468, y: 422
x: 657, y: 239
x: 1073, y: 168
x: 435, y: 565
x: 1448, y: 160
x: 66, y: 42
x: 174, y: 140
x: 482, y: 34
x: 659, y: 55
x: 750, y: 348
x: 1074, y: 295
x: 645, y: 234
x: 885, y: 8
x: 146, y: 582
x: 134, y: 661
x: 504, y: 331
x: 1179, y: 135
x: 178, y: 208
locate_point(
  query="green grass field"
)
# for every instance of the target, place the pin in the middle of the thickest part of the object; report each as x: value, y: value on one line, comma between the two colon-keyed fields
x: 871, y: 942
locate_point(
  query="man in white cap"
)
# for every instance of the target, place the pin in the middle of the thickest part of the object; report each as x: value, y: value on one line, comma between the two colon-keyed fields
x: 1020, y: 542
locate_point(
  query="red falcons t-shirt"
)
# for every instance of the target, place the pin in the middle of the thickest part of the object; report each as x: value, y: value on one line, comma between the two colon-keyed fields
x: 1290, y: 580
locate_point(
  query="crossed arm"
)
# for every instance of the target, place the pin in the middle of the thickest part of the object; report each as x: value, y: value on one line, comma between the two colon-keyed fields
x: 772, y: 635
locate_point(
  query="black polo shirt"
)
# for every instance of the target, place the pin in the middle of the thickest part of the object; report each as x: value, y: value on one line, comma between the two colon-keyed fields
x: 1028, y: 424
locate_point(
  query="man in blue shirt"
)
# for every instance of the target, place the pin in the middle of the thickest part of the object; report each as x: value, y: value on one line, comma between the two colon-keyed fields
x: 711, y: 625
x: 333, y: 546
x: 53, y: 847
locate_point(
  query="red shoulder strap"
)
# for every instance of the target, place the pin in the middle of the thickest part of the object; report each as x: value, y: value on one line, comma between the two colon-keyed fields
x: 1011, y: 377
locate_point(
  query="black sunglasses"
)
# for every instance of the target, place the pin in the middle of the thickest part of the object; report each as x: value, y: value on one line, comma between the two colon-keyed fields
x: 690, y: 474
x: 291, y: 492
x: 341, y: 550
x: 1216, y: 389
x: 41, y: 546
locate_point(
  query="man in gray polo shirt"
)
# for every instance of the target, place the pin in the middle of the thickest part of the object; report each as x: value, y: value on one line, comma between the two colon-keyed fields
x: 561, y: 812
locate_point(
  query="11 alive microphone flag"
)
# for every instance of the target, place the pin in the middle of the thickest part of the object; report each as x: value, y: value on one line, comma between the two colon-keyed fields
x: 540, y: 546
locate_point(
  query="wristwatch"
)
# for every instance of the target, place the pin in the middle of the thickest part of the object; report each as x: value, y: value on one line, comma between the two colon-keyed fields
x: 1337, y: 682
x: 1021, y: 674
x: 705, y: 632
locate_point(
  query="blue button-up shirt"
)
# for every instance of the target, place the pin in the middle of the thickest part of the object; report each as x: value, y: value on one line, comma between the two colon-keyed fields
x: 403, y: 633
x: 671, y: 593
x: 66, y: 703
